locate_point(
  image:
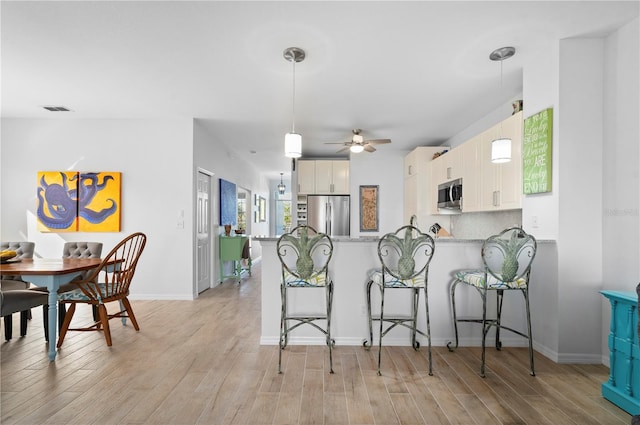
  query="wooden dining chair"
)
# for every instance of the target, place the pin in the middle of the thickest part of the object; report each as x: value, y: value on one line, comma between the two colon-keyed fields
x: 107, y: 283
x: 71, y: 250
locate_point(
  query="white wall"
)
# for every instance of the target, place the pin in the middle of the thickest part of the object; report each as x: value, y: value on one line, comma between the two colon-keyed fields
x: 580, y: 141
x: 212, y: 155
x: 384, y: 169
x: 158, y: 160
x: 155, y: 159
x: 621, y: 159
x: 621, y: 156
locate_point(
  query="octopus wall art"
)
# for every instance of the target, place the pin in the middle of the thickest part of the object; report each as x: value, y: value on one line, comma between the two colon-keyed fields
x: 70, y: 201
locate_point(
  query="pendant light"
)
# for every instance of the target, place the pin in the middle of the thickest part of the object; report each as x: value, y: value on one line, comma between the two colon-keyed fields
x: 501, y: 147
x: 293, y: 140
x: 281, y: 186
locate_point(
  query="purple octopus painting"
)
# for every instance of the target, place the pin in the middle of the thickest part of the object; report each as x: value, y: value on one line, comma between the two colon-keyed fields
x: 71, y: 201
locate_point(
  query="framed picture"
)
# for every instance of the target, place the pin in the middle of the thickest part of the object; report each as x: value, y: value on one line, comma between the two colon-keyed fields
x: 73, y: 201
x: 368, y: 208
x: 263, y: 209
x: 536, y: 152
x: 228, y: 203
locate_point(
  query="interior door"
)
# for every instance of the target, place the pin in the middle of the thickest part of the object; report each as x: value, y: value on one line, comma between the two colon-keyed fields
x: 204, y: 257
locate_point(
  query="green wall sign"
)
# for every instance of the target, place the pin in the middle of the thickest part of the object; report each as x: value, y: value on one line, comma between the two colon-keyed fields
x: 536, y: 152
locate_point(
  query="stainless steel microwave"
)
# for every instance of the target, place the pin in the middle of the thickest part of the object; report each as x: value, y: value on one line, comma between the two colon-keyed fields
x: 450, y: 196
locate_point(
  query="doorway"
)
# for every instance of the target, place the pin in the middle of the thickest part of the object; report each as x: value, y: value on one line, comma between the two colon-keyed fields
x: 204, y: 255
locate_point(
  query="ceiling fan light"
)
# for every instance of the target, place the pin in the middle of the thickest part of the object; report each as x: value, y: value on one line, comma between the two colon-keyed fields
x: 501, y: 150
x: 356, y: 148
x: 293, y: 145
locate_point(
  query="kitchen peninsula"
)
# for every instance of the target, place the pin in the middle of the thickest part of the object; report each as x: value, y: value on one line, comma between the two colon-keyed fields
x: 354, y: 257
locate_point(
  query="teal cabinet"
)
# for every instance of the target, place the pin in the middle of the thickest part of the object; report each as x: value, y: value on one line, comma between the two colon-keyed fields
x: 623, y: 386
x: 231, y: 248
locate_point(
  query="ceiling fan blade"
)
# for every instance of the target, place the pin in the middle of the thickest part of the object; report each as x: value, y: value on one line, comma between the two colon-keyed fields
x: 369, y: 148
x: 337, y: 143
x: 343, y: 149
x: 378, y: 141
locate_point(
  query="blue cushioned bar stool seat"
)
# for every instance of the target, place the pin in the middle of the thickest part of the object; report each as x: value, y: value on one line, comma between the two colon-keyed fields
x: 507, y: 259
x: 404, y: 256
x: 304, y: 255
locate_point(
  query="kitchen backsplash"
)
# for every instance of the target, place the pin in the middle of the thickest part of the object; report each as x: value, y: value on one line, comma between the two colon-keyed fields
x: 481, y: 225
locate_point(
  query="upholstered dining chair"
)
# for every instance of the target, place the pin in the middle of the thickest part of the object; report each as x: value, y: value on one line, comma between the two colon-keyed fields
x: 23, y: 250
x: 404, y: 258
x: 304, y: 255
x: 19, y: 300
x: 109, y: 282
x: 507, y: 259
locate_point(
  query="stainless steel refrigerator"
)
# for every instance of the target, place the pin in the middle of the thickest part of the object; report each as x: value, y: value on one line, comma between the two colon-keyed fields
x: 329, y: 214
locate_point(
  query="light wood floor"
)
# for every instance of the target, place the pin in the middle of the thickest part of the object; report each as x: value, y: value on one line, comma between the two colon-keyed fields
x: 200, y: 362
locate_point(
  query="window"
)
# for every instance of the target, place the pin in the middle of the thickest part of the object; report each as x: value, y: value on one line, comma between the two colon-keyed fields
x: 242, y: 208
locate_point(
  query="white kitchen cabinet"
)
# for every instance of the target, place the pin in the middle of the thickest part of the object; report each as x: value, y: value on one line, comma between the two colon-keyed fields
x: 419, y: 192
x: 306, y: 177
x: 448, y: 166
x: 332, y: 177
x: 470, y: 175
x: 501, y: 184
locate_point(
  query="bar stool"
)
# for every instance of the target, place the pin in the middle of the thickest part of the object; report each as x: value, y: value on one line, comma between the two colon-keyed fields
x: 507, y: 259
x: 305, y: 254
x: 404, y: 256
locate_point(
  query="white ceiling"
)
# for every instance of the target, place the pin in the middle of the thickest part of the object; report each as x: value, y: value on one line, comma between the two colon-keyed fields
x: 416, y: 72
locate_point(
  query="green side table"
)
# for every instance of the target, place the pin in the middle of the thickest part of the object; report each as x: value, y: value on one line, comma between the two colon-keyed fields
x: 231, y: 250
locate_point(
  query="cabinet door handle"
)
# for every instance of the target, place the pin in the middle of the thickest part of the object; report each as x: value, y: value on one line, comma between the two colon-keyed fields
x: 410, y: 170
x: 448, y: 173
x: 497, y: 198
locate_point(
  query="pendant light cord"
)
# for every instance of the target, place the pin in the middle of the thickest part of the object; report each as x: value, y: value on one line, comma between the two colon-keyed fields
x: 501, y: 62
x: 293, y: 100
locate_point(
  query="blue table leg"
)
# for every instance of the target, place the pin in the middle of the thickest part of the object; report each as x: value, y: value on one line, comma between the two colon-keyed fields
x: 52, y: 283
x: 53, y: 322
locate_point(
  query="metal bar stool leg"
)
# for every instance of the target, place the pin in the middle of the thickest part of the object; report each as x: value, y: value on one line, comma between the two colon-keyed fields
x: 330, y: 341
x: 414, y: 319
x: 381, y: 326
x: 526, y: 298
x: 455, y: 317
x: 283, y: 321
x: 485, y: 330
x: 369, y: 343
x: 500, y: 296
x: 426, y: 305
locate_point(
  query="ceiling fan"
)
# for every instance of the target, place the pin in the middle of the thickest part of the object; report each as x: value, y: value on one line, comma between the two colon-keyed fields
x: 358, y: 144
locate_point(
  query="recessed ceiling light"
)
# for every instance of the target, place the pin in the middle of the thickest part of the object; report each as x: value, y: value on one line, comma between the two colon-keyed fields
x: 57, y: 108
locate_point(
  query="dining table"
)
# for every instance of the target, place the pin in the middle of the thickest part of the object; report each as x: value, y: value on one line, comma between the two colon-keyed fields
x: 49, y: 273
